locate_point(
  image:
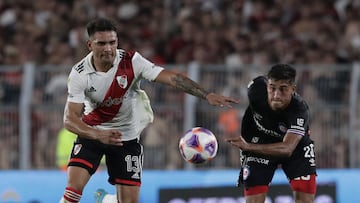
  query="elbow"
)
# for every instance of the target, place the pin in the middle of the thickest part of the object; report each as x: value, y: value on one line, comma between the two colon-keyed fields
x: 288, y: 152
x: 67, y: 123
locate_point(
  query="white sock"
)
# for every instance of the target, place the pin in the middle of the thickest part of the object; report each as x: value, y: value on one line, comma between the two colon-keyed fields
x: 62, y: 200
x: 110, y: 198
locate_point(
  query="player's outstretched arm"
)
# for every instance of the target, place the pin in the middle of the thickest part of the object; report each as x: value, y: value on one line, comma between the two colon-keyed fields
x: 281, y: 149
x: 189, y: 86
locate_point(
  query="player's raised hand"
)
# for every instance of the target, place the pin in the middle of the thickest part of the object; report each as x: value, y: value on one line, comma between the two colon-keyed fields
x: 112, y: 137
x: 238, y: 142
x: 219, y: 100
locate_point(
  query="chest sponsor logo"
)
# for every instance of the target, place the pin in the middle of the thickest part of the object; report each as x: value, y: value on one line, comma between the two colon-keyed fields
x: 122, y: 81
x: 258, y: 122
x: 112, y: 101
x: 257, y: 116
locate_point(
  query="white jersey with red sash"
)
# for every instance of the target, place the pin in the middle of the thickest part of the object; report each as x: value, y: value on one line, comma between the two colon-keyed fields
x: 114, y: 100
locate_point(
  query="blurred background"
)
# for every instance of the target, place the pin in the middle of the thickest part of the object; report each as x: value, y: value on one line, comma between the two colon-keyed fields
x: 221, y: 44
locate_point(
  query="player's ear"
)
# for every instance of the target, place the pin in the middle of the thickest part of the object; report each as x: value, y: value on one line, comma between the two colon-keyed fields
x: 88, y: 44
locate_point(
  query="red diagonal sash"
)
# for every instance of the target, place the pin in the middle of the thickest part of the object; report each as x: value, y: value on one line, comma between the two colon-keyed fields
x: 113, y: 98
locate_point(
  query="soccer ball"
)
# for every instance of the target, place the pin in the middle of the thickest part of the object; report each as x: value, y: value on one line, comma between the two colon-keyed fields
x: 198, y: 145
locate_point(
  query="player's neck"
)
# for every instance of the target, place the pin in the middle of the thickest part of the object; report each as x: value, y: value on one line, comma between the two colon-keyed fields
x: 101, y: 67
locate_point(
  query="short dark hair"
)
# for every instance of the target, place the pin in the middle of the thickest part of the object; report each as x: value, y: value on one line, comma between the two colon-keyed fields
x: 100, y: 24
x: 282, y: 72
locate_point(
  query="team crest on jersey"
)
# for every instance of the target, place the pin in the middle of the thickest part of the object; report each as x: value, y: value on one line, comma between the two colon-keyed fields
x: 282, y: 127
x: 77, y: 149
x: 245, y: 172
x: 122, y: 81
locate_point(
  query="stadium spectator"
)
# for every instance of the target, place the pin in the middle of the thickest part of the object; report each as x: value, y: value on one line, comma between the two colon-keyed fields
x: 181, y: 28
x: 10, y: 141
x: 64, y: 143
x: 48, y: 123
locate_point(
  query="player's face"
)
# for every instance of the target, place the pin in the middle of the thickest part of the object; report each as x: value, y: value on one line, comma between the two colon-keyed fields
x: 279, y: 93
x: 103, y: 44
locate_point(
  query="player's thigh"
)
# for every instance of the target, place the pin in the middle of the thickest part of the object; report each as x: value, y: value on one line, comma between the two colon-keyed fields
x: 257, y: 173
x: 126, y: 193
x: 305, y: 186
x: 125, y: 163
x: 300, y: 169
x: 86, y: 154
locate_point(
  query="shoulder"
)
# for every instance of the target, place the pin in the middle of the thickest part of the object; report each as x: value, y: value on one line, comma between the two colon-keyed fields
x: 257, y: 87
x: 300, y: 101
x: 257, y: 92
x: 80, y: 71
x: 79, y: 67
x: 299, y: 105
x: 130, y: 56
x: 125, y: 53
x: 83, y: 66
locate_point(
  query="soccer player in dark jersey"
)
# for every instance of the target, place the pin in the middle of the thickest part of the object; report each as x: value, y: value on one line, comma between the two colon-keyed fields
x: 275, y: 132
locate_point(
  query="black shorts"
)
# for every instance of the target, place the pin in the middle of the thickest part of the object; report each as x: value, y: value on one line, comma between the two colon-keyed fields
x: 124, y: 163
x: 259, y: 170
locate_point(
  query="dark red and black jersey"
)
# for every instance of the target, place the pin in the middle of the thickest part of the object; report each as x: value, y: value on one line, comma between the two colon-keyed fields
x: 263, y: 125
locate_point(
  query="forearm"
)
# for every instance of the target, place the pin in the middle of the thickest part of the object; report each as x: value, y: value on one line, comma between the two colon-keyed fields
x: 78, y: 127
x: 189, y: 86
x: 276, y: 149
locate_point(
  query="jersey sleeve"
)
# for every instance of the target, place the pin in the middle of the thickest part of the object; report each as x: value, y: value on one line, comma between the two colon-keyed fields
x: 247, y: 127
x: 76, y: 87
x: 257, y: 93
x: 145, y: 68
x: 299, y: 121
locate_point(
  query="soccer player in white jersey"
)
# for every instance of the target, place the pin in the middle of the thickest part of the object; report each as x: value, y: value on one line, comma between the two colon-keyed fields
x: 108, y: 111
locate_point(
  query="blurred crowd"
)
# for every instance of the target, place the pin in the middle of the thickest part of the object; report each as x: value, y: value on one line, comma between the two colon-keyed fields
x: 177, y: 31
x: 234, y: 33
